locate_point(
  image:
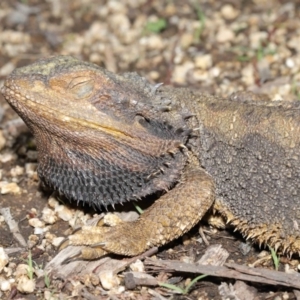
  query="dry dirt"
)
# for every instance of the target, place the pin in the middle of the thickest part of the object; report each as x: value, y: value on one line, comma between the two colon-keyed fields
x: 216, y: 46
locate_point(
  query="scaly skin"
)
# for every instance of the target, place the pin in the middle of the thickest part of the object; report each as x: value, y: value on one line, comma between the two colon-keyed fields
x: 105, y: 139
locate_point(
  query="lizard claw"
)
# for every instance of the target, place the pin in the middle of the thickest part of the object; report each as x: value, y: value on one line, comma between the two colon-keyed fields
x: 72, y: 258
x: 64, y: 244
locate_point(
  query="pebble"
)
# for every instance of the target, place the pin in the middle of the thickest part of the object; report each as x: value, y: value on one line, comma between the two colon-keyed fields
x: 3, y: 259
x: 17, y: 171
x: 290, y: 63
x: 57, y: 241
x: 137, y: 266
x: 21, y: 269
x: 224, y: 35
x: 37, y: 223
x: 248, y: 75
x: 14, y: 43
x: 186, y: 40
x: 203, y: 61
x: 64, y: 212
x: 40, y: 230
x: 7, y: 157
x: 25, y: 285
x: 109, y: 280
x: 30, y: 169
x: 32, y: 241
x: 52, y: 202
x: 49, y: 216
x: 228, y: 12
x: 152, y: 42
x: 263, y: 253
x: 180, y: 72
x: 9, y: 188
x: 48, y: 295
x: 6, y: 69
x: 115, y: 6
x: 5, y: 286
x: 200, y: 75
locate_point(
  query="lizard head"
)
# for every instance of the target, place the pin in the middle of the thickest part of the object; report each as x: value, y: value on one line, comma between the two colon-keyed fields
x: 102, y: 138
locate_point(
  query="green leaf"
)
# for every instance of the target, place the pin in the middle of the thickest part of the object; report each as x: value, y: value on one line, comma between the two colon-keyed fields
x: 156, y: 26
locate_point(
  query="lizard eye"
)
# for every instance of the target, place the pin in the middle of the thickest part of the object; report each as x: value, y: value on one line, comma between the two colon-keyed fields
x: 81, y: 87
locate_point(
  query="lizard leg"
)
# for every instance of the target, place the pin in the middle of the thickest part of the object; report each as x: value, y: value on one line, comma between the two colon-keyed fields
x: 171, y: 216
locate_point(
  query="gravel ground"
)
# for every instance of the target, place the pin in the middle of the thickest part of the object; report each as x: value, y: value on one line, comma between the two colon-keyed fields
x: 219, y: 47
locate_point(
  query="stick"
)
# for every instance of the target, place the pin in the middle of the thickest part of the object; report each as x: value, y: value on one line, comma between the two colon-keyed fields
x: 229, y: 270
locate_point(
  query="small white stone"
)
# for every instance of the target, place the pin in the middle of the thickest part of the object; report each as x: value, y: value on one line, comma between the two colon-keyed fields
x: 154, y: 75
x: 5, y: 285
x: 119, y: 23
x: 8, y: 271
x: 285, y: 296
x: 7, y: 157
x: 180, y: 72
x: 6, y: 70
x: 22, y: 269
x: 49, y: 216
x: 203, y: 62
x: 186, y: 40
x: 32, y: 241
x: 40, y: 230
x: 137, y: 266
x: 9, y: 188
x: 25, y: 285
x: 228, y: 12
x: 64, y: 212
x: 109, y: 280
x: 200, y: 75
x: 57, y: 241
x: 52, y: 202
x: 152, y: 42
x: 215, y: 72
x: 48, y: 295
x: 248, y: 75
x: 290, y: 63
x: 3, y: 259
x: 116, y: 6
x: 17, y: 171
x: 224, y: 35
x: 37, y: 223
x: 263, y: 253
x: 30, y: 169
x: 49, y: 237
x: 118, y: 290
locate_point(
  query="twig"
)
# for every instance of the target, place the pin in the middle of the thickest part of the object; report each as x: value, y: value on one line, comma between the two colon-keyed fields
x: 13, y: 226
x: 229, y: 270
x: 10, y: 251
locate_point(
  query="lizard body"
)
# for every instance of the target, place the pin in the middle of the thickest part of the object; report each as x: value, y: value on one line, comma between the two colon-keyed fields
x: 105, y: 139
